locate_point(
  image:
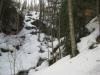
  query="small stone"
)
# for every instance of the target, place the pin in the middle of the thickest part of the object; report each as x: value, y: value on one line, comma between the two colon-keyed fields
x: 28, y: 20
x: 33, y: 33
x: 4, y: 50
x: 17, y: 47
x: 29, y: 28
x: 41, y: 51
x: 28, y: 53
x: 22, y: 37
x: 0, y: 54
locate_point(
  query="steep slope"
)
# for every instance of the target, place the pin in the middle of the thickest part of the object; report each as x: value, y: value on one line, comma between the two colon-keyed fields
x: 23, y: 52
x: 86, y: 63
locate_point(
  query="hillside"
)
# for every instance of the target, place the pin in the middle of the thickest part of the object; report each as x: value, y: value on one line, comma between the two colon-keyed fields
x: 85, y: 63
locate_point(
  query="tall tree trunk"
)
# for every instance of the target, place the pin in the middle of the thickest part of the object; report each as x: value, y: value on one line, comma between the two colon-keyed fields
x: 40, y: 17
x: 1, y: 4
x: 98, y: 11
x: 71, y: 27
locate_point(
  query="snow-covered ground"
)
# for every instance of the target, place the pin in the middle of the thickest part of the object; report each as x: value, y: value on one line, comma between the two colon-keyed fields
x: 86, y: 63
x: 24, y: 52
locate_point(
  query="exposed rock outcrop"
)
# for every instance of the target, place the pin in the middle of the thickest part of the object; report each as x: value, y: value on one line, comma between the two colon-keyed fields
x: 11, y: 21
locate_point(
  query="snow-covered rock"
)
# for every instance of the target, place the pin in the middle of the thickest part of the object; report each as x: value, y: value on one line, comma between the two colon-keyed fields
x: 86, y: 42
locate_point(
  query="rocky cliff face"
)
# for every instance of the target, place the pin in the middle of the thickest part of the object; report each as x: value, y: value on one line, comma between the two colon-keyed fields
x: 11, y: 21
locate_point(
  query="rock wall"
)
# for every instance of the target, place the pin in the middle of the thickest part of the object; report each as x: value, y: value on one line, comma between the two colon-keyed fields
x: 11, y: 21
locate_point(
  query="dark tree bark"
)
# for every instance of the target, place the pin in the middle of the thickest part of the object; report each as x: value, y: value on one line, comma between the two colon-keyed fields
x: 1, y: 4
x: 71, y: 27
x: 98, y: 11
